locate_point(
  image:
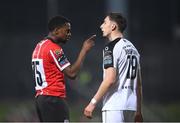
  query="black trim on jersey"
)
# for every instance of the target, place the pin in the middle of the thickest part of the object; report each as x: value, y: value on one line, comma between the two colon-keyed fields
x: 108, y: 54
x: 59, y: 41
x: 51, y: 39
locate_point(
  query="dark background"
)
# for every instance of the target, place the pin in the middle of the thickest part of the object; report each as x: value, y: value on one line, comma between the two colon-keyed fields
x: 153, y: 27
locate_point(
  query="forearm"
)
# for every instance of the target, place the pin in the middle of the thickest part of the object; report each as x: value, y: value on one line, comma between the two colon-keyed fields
x: 109, y: 79
x: 139, y: 98
x: 104, y: 87
x: 139, y: 92
x: 77, y: 65
x: 72, y: 70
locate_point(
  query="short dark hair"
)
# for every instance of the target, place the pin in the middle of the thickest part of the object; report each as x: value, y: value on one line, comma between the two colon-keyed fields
x: 57, y: 21
x: 119, y: 19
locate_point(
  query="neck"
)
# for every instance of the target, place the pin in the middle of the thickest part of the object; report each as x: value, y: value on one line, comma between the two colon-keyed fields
x: 55, y: 39
x: 114, y: 36
x: 50, y: 35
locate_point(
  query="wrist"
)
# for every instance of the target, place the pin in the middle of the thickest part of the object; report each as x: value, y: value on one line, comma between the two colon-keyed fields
x: 138, y: 112
x: 83, y: 50
x: 93, y: 101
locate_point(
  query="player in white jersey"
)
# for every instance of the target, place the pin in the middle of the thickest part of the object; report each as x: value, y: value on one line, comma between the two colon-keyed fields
x: 121, y: 85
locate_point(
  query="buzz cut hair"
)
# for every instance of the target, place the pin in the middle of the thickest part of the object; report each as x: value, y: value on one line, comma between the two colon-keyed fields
x: 119, y: 19
x: 56, y: 22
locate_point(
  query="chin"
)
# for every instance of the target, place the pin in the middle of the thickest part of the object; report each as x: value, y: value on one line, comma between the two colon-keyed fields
x: 64, y: 41
x: 104, y: 35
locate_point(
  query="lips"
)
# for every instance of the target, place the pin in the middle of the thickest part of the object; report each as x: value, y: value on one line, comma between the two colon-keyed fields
x: 68, y: 38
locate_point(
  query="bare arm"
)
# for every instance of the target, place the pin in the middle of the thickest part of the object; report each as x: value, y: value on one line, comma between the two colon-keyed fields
x: 138, y: 114
x: 139, y: 92
x: 72, y: 70
x: 110, y: 77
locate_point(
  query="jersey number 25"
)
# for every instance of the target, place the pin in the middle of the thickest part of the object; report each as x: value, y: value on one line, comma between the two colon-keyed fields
x: 38, y: 72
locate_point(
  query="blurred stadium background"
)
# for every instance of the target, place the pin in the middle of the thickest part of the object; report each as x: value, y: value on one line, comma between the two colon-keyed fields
x: 153, y: 27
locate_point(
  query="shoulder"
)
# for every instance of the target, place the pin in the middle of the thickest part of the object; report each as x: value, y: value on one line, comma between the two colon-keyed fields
x: 51, y: 48
x: 129, y: 47
x: 111, y: 45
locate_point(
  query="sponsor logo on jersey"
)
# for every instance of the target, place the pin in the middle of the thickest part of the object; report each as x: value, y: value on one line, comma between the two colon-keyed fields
x: 108, y: 58
x: 62, y: 60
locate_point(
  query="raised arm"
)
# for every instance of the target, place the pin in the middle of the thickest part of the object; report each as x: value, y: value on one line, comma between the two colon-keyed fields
x: 72, y: 70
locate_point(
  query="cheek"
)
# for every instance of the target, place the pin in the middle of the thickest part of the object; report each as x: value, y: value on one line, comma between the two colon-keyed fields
x: 61, y: 35
x: 107, y: 29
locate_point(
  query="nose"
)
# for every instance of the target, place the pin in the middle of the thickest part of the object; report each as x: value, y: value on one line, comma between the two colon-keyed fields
x: 69, y: 34
x: 101, y: 26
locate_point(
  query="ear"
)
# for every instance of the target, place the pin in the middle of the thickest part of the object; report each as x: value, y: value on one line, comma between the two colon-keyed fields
x: 56, y: 31
x: 113, y: 26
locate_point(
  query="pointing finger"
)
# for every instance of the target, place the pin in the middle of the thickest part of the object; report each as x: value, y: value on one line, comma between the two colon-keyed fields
x: 92, y: 37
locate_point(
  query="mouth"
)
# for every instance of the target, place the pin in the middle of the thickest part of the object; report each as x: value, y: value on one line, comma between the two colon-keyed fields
x: 102, y: 31
x: 68, y: 38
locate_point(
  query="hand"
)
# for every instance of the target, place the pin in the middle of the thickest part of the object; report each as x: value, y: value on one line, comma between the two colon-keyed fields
x: 89, y: 110
x: 138, y: 117
x: 89, y: 43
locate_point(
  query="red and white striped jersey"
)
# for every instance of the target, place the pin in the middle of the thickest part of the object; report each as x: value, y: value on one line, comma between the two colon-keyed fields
x: 48, y: 62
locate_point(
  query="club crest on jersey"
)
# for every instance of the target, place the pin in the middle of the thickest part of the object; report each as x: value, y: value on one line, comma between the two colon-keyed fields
x: 57, y: 52
x: 106, y: 48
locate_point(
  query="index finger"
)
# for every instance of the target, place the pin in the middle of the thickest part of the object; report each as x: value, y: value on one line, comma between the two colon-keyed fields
x: 92, y: 37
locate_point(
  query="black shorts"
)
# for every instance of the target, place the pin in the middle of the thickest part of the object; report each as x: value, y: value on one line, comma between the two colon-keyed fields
x: 52, y: 109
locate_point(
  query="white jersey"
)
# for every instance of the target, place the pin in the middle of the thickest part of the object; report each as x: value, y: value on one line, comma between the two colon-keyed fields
x: 122, y: 55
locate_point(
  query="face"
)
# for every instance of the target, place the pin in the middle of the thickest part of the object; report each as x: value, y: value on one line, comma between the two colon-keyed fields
x: 64, y: 33
x: 106, y: 27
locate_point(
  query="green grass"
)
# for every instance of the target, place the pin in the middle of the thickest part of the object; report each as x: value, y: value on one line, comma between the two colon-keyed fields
x: 162, y: 112
x: 3, y: 111
x: 25, y: 111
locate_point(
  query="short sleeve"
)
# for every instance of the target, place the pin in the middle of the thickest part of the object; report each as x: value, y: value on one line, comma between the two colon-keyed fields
x: 108, y: 57
x: 111, y: 54
x: 59, y: 58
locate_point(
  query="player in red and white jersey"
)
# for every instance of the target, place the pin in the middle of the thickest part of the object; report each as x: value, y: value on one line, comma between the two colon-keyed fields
x: 49, y: 64
x: 49, y: 61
